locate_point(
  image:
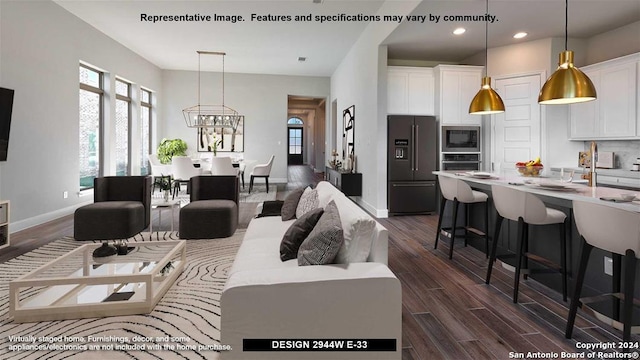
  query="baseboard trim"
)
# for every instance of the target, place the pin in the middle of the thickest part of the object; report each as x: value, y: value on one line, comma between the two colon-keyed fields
x: 378, y: 213
x: 43, y: 218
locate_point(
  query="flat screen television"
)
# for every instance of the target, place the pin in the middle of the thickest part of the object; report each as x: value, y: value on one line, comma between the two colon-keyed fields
x: 6, y: 107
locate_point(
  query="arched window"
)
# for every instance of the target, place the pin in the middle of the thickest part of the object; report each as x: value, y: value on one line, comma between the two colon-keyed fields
x: 295, y: 121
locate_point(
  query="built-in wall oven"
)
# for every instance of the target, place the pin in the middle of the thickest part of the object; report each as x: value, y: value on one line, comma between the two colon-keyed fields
x: 461, y: 139
x: 460, y: 161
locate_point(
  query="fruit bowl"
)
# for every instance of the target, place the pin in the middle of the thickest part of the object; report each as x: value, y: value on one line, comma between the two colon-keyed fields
x: 530, y: 170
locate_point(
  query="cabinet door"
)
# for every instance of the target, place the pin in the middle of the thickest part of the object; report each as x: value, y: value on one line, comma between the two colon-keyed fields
x: 421, y: 94
x: 450, y: 101
x: 469, y: 87
x: 583, y: 117
x: 397, y: 92
x: 617, y: 98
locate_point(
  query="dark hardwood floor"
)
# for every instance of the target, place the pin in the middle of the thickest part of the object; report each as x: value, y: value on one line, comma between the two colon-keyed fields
x: 448, y: 311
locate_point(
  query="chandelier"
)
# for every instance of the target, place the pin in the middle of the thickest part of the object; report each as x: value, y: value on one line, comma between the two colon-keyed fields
x: 210, y: 116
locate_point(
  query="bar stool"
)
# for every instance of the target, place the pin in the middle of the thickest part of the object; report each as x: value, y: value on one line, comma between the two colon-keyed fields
x: 614, y: 230
x: 459, y: 191
x: 526, y: 209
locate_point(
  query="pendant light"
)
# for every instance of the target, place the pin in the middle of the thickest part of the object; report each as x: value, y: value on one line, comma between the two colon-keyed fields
x: 567, y: 84
x: 487, y: 101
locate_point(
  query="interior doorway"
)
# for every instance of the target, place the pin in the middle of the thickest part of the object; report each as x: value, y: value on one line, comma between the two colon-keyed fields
x: 306, y: 131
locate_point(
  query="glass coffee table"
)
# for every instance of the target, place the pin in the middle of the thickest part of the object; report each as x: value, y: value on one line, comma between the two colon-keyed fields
x: 76, y: 285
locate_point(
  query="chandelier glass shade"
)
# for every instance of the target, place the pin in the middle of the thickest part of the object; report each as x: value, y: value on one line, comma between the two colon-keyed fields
x: 210, y: 116
x: 567, y: 85
x: 487, y: 101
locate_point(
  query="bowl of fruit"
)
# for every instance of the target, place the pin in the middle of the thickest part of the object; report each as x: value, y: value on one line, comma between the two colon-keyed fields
x: 530, y: 168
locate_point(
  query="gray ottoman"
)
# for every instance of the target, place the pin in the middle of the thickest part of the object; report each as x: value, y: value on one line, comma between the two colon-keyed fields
x: 208, y: 219
x: 109, y: 220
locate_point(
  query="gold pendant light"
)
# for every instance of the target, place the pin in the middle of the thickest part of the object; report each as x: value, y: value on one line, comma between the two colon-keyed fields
x: 567, y: 84
x: 487, y: 101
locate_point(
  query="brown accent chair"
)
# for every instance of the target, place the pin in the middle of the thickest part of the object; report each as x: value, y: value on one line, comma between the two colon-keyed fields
x: 121, y: 208
x: 213, y: 210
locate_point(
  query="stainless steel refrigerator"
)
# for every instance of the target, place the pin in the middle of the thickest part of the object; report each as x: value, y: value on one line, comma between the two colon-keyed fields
x: 412, y: 157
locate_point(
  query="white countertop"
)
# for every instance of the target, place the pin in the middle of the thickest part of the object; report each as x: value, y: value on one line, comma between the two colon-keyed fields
x: 579, y: 192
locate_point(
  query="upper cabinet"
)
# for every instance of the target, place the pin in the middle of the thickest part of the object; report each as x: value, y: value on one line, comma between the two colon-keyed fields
x: 456, y: 86
x: 410, y: 91
x: 614, y: 114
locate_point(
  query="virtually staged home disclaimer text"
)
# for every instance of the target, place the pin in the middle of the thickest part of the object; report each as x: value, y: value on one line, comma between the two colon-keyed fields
x: 434, y: 18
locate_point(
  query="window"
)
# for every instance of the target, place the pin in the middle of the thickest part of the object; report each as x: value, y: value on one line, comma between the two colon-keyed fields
x: 90, y: 123
x: 123, y: 119
x: 294, y: 121
x: 145, y: 130
x: 295, y: 141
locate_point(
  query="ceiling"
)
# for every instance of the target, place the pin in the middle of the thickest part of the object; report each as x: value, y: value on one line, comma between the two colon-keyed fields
x: 273, y: 47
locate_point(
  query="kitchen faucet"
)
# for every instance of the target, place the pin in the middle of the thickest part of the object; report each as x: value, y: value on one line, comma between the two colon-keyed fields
x: 592, y: 177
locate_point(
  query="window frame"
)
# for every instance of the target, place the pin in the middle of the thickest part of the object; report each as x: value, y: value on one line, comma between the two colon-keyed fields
x: 100, y: 91
x: 148, y: 105
x: 128, y: 99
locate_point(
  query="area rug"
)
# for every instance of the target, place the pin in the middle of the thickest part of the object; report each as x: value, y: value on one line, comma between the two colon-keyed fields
x: 189, y: 312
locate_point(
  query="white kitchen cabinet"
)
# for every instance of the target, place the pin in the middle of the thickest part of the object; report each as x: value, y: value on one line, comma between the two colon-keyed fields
x: 614, y: 114
x: 456, y: 86
x: 410, y: 91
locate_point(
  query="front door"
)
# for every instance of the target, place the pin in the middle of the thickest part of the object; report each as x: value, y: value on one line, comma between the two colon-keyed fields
x: 295, y: 146
x: 516, y: 134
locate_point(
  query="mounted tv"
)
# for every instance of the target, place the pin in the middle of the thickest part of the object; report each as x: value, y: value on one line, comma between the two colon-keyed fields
x: 6, y: 107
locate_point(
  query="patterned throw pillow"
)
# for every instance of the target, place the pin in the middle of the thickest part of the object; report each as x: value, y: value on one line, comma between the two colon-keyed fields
x: 324, y: 241
x: 297, y: 232
x: 308, y: 201
x: 290, y: 204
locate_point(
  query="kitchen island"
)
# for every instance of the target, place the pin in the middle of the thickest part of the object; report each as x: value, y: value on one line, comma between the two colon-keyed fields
x: 544, y: 239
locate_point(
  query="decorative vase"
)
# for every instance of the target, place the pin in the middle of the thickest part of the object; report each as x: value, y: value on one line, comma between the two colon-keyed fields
x: 166, y: 195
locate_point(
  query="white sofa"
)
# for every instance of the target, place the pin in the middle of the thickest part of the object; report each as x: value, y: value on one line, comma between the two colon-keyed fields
x: 266, y: 298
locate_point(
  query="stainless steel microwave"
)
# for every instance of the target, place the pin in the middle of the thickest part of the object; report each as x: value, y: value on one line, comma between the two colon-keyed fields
x: 460, y: 139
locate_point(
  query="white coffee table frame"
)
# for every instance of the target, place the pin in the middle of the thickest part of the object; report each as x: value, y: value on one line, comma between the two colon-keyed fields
x: 57, y: 298
x: 160, y: 205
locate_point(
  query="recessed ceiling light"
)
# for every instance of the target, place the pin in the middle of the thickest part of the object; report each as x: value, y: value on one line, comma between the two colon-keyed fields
x: 459, y: 31
x: 520, y: 35
x: 302, y: 59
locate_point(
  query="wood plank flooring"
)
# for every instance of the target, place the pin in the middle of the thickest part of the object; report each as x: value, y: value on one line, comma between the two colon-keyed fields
x: 448, y: 311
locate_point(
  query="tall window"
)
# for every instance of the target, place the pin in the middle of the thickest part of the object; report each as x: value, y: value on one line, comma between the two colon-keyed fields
x: 145, y: 130
x: 123, y: 119
x: 90, y: 115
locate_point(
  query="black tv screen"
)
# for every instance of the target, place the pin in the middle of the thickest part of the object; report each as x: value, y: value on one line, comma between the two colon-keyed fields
x: 6, y: 107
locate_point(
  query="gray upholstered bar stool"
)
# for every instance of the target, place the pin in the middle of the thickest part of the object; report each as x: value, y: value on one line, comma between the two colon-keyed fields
x: 527, y: 209
x: 459, y: 191
x: 614, y: 230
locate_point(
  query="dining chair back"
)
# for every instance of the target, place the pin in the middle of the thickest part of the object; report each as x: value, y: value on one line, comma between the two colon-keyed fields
x: 222, y: 166
x: 183, y: 169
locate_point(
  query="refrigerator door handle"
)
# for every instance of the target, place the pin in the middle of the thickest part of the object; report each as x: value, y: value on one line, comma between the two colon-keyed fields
x: 416, y: 140
x: 413, y: 150
x: 414, y: 185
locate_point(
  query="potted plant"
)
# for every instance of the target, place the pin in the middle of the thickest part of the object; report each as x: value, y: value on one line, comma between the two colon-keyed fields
x: 169, y: 148
x: 164, y: 182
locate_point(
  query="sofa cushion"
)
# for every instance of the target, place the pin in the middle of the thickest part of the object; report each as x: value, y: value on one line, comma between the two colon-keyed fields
x: 308, y: 201
x: 358, y: 231
x: 291, y: 204
x: 297, y: 233
x: 324, y: 241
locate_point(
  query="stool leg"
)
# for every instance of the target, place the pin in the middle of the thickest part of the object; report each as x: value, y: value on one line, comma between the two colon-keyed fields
x: 563, y: 259
x: 267, y: 181
x: 251, y: 184
x: 486, y: 229
x: 494, y: 247
x: 629, y: 281
x: 615, y: 283
x: 525, y: 249
x: 466, y: 223
x: 516, y: 280
x: 577, y: 288
x: 453, y: 227
x: 443, y: 202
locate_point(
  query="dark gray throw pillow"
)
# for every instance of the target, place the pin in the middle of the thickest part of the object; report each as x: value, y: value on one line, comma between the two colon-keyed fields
x: 291, y: 204
x: 271, y: 208
x: 296, y: 234
x: 324, y: 241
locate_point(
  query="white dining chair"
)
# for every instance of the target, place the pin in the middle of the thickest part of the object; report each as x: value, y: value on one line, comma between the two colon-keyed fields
x: 158, y: 169
x: 526, y: 209
x: 183, y: 170
x: 616, y: 231
x: 221, y: 165
x: 262, y: 171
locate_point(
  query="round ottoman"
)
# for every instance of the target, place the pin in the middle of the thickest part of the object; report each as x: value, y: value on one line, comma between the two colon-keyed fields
x: 208, y: 219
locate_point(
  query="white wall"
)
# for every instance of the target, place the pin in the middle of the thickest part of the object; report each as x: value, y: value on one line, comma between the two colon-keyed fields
x: 42, y: 45
x: 360, y: 80
x: 262, y: 99
x: 615, y: 43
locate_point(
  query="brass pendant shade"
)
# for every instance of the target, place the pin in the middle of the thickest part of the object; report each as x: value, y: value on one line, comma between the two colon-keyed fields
x: 487, y: 101
x: 567, y: 84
